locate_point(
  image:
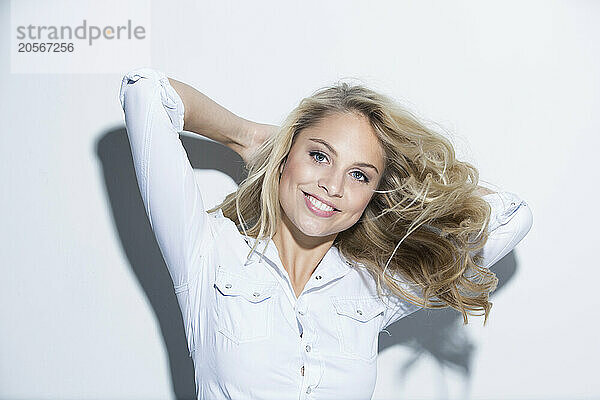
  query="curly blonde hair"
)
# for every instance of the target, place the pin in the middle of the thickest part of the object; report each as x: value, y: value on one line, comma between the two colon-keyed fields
x: 424, y: 223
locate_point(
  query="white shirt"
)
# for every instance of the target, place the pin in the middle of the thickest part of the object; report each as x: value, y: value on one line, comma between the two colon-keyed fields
x: 248, y: 334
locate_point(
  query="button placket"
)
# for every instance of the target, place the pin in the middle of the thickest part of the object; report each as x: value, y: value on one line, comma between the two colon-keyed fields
x: 311, y: 372
x: 311, y: 368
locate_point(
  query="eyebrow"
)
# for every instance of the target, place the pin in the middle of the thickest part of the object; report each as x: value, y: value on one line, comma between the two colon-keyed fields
x: 360, y: 164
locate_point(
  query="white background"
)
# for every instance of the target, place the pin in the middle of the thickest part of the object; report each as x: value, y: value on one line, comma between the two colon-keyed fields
x: 87, y: 313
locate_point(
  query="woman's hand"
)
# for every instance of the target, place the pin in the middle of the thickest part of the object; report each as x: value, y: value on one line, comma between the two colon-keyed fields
x: 254, y: 137
x: 482, y: 191
x: 207, y: 118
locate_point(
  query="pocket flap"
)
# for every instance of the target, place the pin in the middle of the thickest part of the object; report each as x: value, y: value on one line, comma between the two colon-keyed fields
x: 360, y: 309
x: 231, y: 284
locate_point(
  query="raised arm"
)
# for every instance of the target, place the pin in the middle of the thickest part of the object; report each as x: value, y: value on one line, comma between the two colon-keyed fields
x: 206, y: 117
x: 154, y: 115
x: 510, y: 221
x: 157, y: 109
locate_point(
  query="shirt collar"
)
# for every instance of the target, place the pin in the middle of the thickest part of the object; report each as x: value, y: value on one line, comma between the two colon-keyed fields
x: 333, y: 264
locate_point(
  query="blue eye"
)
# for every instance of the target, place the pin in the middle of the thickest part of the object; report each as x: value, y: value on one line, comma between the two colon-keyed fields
x: 318, y: 153
x: 312, y: 155
x: 366, y: 180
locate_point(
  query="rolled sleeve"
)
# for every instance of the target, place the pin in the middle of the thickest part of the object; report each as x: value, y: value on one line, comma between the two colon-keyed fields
x: 510, y: 221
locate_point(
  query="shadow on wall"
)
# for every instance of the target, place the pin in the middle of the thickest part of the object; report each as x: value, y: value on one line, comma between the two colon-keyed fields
x: 436, y: 333
x: 440, y: 334
x: 139, y: 243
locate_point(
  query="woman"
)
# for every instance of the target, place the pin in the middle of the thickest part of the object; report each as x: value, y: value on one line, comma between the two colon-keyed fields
x: 353, y: 215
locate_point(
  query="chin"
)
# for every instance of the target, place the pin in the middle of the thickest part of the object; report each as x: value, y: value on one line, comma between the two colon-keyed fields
x: 308, y: 229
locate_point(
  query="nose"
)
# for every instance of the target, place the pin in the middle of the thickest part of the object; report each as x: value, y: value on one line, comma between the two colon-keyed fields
x: 333, y: 184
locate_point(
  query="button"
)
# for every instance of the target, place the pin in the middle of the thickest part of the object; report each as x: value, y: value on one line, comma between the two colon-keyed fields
x: 302, y: 371
x: 300, y: 312
x: 228, y: 286
x: 318, y: 277
x: 308, y: 348
x: 359, y: 312
x: 256, y: 294
x: 308, y: 390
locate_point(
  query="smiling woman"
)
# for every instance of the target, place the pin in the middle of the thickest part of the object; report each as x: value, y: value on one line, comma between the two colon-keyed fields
x: 393, y: 183
x: 327, y: 164
x: 363, y: 215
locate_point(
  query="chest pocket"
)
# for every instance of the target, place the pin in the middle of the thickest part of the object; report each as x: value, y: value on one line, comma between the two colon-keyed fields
x: 244, y: 307
x: 358, y: 321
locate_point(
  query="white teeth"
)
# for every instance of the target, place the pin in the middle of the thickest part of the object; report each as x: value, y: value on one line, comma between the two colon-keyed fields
x: 319, y: 205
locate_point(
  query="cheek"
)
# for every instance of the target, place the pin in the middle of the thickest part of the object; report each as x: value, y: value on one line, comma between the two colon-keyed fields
x: 297, y: 172
x: 362, y: 202
x: 288, y: 186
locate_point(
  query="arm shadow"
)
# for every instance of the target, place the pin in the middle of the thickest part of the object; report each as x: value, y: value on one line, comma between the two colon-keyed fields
x: 139, y: 243
x: 440, y: 334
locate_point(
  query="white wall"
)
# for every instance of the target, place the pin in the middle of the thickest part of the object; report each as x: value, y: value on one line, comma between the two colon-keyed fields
x: 86, y: 309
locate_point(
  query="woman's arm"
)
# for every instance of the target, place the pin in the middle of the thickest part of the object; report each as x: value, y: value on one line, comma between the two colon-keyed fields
x: 510, y: 221
x: 206, y: 117
x: 154, y: 116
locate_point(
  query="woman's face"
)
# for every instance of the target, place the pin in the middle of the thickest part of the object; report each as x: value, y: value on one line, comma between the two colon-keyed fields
x: 340, y: 161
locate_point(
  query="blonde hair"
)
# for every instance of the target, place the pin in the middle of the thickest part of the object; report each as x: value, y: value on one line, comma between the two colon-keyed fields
x: 424, y: 224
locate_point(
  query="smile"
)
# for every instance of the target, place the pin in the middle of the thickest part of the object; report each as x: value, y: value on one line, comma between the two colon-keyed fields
x: 317, y: 207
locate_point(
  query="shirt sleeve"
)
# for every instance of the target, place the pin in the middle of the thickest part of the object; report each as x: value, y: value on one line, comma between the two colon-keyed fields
x: 510, y: 220
x: 154, y: 117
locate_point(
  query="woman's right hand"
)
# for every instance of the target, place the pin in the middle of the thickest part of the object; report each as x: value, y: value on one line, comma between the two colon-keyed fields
x: 256, y: 135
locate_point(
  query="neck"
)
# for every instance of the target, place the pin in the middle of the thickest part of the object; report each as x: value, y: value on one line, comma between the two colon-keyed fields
x: 300, y: 254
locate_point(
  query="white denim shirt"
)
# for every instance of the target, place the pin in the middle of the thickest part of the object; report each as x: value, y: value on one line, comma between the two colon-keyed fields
x: 248, y: 334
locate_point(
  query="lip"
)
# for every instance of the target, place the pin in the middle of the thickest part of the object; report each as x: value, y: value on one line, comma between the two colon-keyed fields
x: 317, y: 211
x: 321, y: 200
